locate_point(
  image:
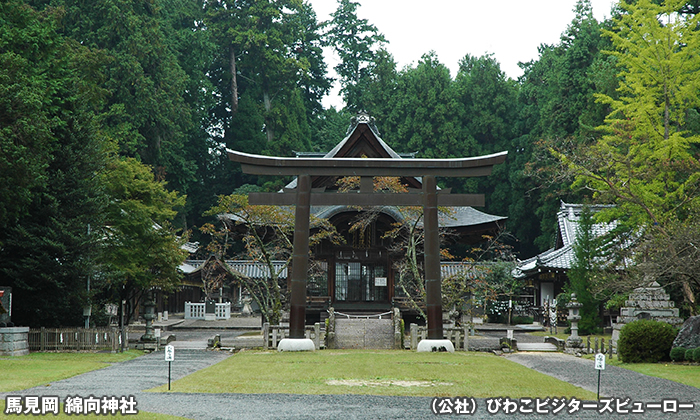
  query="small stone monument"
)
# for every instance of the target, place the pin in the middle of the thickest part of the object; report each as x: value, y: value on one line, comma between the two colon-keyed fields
x: 574, y: 342
x: 651, y: 302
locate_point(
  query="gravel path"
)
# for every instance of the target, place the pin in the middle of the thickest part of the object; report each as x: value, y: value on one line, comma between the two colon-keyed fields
x: 135, y: 376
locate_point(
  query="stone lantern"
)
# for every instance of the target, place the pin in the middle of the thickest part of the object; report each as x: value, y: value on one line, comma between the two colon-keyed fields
x: 149, y: 316
x: 574, y: 341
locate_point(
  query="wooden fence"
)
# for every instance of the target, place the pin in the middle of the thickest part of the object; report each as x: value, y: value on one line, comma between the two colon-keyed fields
x: 74, y: 339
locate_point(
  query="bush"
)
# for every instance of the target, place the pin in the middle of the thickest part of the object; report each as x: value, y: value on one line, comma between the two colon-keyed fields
x: 696, y: 355
x: 523, y: 320
x: 677, y: 354
x: 645, y: 341
x: 689, y: 355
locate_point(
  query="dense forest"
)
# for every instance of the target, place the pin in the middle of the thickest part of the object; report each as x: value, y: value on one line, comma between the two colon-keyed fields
x: 115, y: 115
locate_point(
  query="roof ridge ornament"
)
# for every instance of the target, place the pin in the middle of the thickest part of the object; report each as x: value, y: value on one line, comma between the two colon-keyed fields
x: 363, y: 117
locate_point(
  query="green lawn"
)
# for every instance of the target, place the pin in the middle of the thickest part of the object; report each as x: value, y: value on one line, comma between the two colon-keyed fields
x: 41, y: 368
x: 376, y: 373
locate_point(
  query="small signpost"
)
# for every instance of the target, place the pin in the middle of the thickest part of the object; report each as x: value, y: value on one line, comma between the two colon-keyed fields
x: 599, y: 365
x: 169, y: 357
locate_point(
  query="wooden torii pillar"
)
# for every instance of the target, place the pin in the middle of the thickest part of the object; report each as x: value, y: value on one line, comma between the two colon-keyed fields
x: 303, y: 198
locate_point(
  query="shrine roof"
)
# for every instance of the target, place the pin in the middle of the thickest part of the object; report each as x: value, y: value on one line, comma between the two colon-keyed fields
x: 561, y: 256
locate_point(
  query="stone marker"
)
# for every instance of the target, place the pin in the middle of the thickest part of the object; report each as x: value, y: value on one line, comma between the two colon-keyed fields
x: 689, y: 336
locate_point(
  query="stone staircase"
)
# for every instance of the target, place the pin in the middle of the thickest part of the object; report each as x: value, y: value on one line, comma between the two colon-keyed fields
x: 536, y: 347
x: 364, y: 333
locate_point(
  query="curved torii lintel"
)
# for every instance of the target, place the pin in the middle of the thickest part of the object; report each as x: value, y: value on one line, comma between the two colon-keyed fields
x: 457, y: 167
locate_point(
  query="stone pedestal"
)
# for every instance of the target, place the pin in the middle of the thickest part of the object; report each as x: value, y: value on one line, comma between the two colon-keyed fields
x: 14, y: 341
x: 296, y: 344
x: 433, y: 345
x: 650, y: 302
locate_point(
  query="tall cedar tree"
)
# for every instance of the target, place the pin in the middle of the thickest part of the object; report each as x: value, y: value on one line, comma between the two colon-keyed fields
x: 582, y: 271
x: 49, y: 98
x: 355, y: 41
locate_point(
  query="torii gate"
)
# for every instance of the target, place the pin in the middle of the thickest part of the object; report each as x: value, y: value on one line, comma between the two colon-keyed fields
x: 366, y: 169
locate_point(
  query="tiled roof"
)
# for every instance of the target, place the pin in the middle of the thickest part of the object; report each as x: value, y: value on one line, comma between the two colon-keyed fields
x: 562, y: 257
x: 257, y: 270
x: 448, y: 269
x: 568, y: 218
x: 245, y: 268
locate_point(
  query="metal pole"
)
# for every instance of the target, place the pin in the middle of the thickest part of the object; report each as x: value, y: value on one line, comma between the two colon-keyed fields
x: 433, y: 292
x: 598, y: 392
x: 169, y: 365
x: 300, y: 258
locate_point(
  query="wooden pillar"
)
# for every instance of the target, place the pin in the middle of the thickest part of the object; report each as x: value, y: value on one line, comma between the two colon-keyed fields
x: 300, y: 258
x: 433, y: 292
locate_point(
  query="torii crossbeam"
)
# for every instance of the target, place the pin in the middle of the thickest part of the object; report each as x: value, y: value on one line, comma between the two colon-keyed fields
x: 366, y: 169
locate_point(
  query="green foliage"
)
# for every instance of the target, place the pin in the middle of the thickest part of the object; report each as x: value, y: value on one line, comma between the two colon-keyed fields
x: 584, y: 267
x: 677, y: 354
x: 688, y: 355
x: 645, y: 161
x: 268, y: 53
x: 696, y: 355
x: 140, y: 250
x: 557, y: 110
x: 355, y: 41
x: 51, y: 150
x: 645, y: 341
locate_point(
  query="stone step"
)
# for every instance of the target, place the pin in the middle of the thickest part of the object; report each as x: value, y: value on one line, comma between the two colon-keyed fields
x: 536, y: 347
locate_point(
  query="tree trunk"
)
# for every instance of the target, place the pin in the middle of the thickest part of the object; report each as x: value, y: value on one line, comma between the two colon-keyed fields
x: 234, y: 81
x: 268, y: 123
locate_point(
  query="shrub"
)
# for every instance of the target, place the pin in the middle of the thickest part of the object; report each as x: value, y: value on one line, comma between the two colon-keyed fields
x: 689, y: 355
x: 677, y: 354
x: 523, y: 320
x: 696, y: 355
x: 646, y: 341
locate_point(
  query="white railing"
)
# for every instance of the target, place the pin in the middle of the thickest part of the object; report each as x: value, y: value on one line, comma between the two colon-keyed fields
x: 196, y: 310
x: 223, y: 310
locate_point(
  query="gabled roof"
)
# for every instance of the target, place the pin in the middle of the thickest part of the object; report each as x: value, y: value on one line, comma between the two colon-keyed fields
x: 362, y: 138
x: 561, y: 257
